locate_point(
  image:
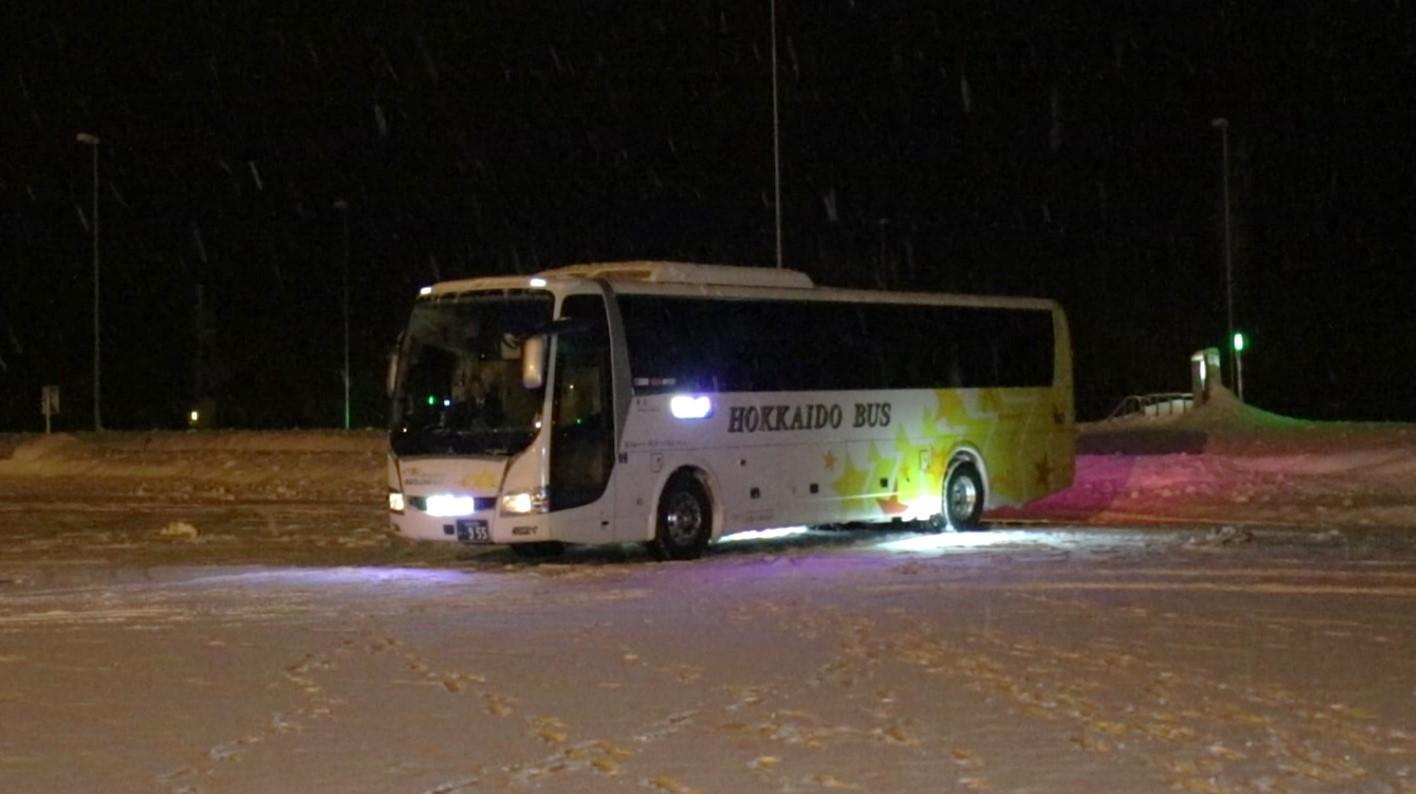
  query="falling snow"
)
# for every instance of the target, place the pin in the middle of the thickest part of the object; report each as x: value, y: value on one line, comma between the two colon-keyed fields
x: 530, y: 135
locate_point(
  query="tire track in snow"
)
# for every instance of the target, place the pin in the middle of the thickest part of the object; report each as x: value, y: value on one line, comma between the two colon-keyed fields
x: 1193, y: 730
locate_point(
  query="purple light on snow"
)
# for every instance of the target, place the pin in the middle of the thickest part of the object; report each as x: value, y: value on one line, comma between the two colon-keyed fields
x: 348, y: 575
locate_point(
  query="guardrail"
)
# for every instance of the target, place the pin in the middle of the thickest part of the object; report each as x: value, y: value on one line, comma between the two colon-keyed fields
x: 1152, y: 405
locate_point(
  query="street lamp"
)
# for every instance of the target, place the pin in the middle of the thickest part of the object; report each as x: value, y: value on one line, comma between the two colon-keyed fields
x: 1238, y: 343
x: 776, y: 141
x: 1222, y: 124
x: 93, y: 140
x: 343, y: 207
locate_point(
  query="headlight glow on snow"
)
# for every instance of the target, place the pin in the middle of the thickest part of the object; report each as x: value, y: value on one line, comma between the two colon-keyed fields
x: 948, y: 541
x: 764, y: 534
x: 446, y: 505
x: 690, y: 406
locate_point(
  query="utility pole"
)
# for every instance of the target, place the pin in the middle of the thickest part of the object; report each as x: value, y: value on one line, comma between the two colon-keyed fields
x: 92, y: 141
x: 881, y: 223
x: 343, y: 207
x: 1222, y: 124
x: 776, y: 141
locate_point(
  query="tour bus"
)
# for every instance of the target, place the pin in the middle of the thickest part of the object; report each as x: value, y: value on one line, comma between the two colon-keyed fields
x: 674, y: 404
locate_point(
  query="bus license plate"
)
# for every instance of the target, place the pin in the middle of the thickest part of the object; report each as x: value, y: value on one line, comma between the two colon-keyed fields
x: 473, y: 530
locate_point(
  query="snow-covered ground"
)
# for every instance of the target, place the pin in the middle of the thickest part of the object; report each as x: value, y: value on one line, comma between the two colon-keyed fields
x: 1225, y: 602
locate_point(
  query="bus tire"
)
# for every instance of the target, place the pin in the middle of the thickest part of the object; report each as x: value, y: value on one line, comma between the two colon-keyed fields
x: 538, y: 551
x: 684, y: 522
x: 963, y: 497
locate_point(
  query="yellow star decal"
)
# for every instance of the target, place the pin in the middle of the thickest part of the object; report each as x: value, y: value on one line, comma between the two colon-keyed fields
x: 851, y: 487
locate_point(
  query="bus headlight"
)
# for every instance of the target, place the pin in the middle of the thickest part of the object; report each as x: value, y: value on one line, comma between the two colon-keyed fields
x: 446, y: 505
x: 395, y: 501
x: 525, y: 502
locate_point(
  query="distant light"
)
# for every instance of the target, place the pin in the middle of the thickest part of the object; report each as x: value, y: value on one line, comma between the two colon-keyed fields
x: 538, y: 282
x: 445, y: 505
x: 1239, y: 342
x: 447, y: 403
x: 686, y: 406
x: 395, y: 501
x: 432, y: 400
x: 194, y: 417
x: 425, y: 291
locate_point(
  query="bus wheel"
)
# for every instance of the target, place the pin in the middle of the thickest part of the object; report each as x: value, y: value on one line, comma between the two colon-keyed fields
x: 685, y: 520
x: 963, y: 497
x: 538, y: 551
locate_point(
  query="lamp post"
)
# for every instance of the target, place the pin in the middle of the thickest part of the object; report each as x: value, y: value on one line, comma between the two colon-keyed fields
x: 776, y: 141
x: 1222, y: 124
x: 343, y: 207
x: 881, y: 223
x: 92, y: 141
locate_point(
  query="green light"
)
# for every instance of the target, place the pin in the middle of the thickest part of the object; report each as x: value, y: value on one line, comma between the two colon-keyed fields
x: 1239, y: 341
x: 432, y: 400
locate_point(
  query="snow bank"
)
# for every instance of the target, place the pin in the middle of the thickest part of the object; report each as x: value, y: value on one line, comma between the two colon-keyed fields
x: 1227, y: 461
x: 286, y: 464
x: 1223, y: 462
x: 1226, y: 425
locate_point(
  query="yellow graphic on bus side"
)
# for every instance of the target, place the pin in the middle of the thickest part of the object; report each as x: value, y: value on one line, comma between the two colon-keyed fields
x: 1027, y: 452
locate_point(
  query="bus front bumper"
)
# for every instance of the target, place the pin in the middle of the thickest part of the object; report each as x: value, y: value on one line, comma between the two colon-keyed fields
x: 478, y: 528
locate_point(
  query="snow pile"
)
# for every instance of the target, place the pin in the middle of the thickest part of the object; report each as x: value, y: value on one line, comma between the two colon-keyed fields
x: 178, y: 531
x: 1229, y: 462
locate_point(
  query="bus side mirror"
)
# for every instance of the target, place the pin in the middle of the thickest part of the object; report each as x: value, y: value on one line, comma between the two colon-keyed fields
x: 391, y: 378
x: 533, y: 362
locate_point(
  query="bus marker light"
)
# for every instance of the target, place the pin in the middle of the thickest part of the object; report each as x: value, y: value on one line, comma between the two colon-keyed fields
x: 524, y: 502
x: 538, y: 282
x: 684, y: 406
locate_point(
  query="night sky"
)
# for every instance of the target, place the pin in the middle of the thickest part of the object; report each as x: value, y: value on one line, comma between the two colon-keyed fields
x: 1015, y: 148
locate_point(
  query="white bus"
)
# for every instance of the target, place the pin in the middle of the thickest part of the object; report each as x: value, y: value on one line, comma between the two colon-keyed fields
x: 674, y: 404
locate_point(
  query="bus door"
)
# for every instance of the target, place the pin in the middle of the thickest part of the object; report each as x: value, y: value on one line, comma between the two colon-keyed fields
x: 583, y: 420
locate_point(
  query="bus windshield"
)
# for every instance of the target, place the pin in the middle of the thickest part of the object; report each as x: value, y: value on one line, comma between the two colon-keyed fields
x: 459, y: 389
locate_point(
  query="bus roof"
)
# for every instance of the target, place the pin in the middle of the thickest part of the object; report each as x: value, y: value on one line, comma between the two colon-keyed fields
x: 719, y: 281
x: 686, y: 273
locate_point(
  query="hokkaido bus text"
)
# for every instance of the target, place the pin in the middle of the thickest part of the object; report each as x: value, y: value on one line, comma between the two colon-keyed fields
x: 809, y: 416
